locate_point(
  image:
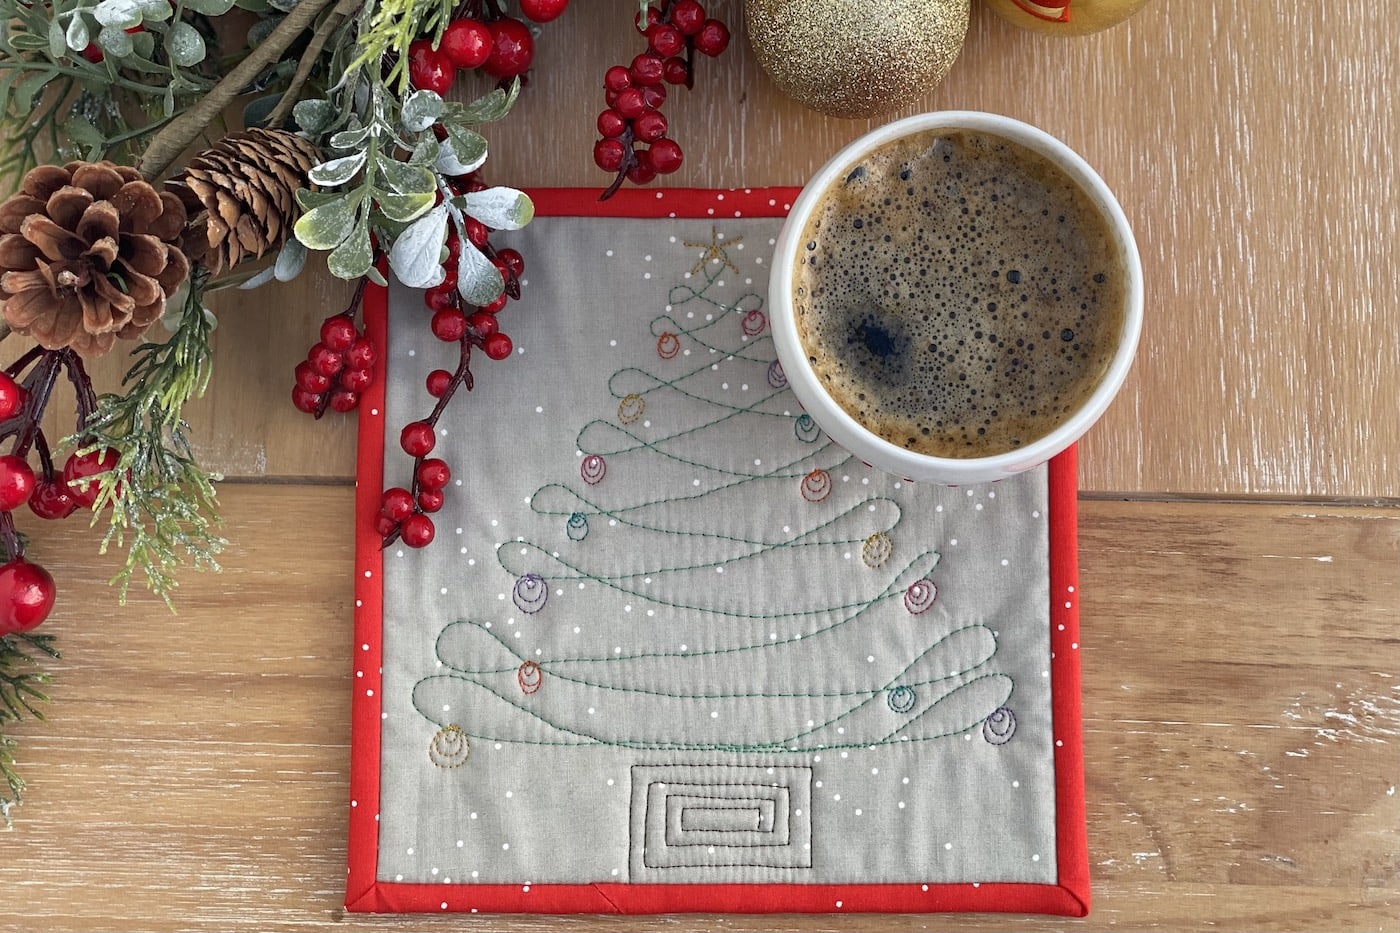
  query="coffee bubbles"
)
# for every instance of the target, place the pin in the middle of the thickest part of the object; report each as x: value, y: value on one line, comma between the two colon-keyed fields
x: 958, y: 294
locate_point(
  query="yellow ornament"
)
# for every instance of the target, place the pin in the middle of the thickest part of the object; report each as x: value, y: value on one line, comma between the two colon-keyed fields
x: 856, y: 58
x: 1065, y: 17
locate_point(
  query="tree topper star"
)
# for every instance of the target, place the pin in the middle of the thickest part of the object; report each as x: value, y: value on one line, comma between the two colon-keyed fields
x: 714, y: 250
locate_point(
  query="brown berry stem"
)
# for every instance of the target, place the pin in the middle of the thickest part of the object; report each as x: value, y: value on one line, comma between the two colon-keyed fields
x: 9, y: 537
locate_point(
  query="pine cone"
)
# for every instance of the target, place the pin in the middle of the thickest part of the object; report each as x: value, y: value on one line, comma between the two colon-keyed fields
x: 88, y: 253
x: 241, y: 195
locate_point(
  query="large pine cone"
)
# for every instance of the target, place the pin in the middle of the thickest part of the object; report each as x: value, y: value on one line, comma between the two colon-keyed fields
x: 88, y: 253
x: 241, y: 195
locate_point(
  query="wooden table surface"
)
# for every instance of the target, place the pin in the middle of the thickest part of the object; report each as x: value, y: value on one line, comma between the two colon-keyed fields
x: 1240, y: 531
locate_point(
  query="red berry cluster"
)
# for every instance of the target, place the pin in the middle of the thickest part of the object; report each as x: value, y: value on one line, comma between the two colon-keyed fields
x: 27, y: 590
x: 404, y: 513
x: 634, y: 143
x: 486, y: 38
x: 337, y: 368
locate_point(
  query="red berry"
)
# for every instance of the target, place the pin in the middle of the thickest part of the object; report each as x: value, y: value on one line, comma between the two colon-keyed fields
x: 338, y: 332
x: 665, y: 40
x: 356, y: 380
x: 497, y: 346
x: 616, y: 78
x: 515, y: 263
x: 665, y: 156
x: 361, y: 354
x: 630, y: 103
x: 611, y: 124
x: 466, y: 43
x: 641, y: 171
x: 417, y: 530
x: 438, y: 381
x: 441, y: 296
x: 344, y: 400
x: 92, y: 52
x: 676, y: 71
x: 26, y: 596
x: 542, y: 11
x: 494, y: 307
x: 417, y: 439
x: 16, y: 482
x: 306, y: 400
x: 384, y: 525
x: 396, y: 503
x: 51, y: 499
x: 477, y: 232
x: 647, y: 69
x: 449, y: 325
x: 512, y: 48
x: 429, y: 69
x: 609, y: 154
x: 688, y: 16
x: 483, y: 323
x: 434, y: 473
x: 324, y: 360
x: 713, y: 38
x: 654, y: 95
x: 12, y: 397
x: 454, y: 248
x: 650, y: 126
x: 430, y: 500
x: 81, y: 466
x: 310, y: 380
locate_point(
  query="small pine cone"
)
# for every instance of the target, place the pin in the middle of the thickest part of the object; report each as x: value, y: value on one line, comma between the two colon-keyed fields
x: 89, y: 252
x: 241, y: 195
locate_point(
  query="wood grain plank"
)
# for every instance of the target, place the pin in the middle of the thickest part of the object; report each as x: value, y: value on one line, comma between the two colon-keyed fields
x: 1250, y: 144
x: 1241, y: 708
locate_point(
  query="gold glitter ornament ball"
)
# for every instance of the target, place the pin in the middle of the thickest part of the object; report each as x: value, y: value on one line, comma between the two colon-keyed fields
x: 1065, y: 17
x: 856, y: 58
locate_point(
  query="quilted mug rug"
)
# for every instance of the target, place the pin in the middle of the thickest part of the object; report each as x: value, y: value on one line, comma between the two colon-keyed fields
x: 672, y: 648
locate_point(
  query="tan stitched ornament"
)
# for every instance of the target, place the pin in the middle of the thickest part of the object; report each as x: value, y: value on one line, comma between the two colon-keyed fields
x: 856, y: 58
x: 1065, y: 17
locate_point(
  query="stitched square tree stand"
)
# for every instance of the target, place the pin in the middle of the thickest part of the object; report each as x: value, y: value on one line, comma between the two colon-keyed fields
x: 672, y: 649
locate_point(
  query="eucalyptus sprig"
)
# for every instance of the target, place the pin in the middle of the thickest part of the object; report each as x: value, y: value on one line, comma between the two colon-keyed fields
x: 389, y: 178
x: 157, y: 494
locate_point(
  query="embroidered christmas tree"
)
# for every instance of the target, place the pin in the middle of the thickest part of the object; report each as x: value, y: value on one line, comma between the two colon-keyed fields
x: 742, y: 579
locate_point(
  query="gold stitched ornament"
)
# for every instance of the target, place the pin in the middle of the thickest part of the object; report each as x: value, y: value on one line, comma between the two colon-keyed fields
x: 1065, y: 17
x: 856, y: 58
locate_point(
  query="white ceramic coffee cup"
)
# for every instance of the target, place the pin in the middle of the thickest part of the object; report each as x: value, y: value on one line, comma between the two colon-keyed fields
x: 867, y: 445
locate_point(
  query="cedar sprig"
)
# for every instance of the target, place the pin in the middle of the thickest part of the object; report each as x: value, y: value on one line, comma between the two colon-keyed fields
x: 21, y: 691
x: 158, y: 496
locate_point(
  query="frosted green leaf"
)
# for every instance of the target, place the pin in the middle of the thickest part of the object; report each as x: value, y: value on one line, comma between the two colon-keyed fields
x: 327, y: 226
x: 337, y: 171
x: 155, y: 10
x: 351, y: 138
x: 414, y: 255
x: 421, y: 110
x: 184, y: 44
x: 123, y: 14
x: 490, y: 108
x: 478, y: 280
x: 403, y: 178
x: 115, y: 41
x: 353, y: 258
x: 403, y: 208
x: 315, y: 116
x: 499, y: 208
x: 77, y: 37
x: 463, y: 152
x: 289, y: 261
x: 58, y: 42
x: 209, y: 7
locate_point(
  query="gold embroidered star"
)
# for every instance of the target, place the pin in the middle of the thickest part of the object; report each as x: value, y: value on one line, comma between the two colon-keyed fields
x: 714, y: 251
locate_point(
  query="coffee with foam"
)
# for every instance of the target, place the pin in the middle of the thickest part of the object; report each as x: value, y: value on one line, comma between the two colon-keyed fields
x: 958, y: 293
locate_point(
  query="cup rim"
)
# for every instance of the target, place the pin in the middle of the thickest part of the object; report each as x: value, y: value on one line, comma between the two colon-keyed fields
x: 871, y: 447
